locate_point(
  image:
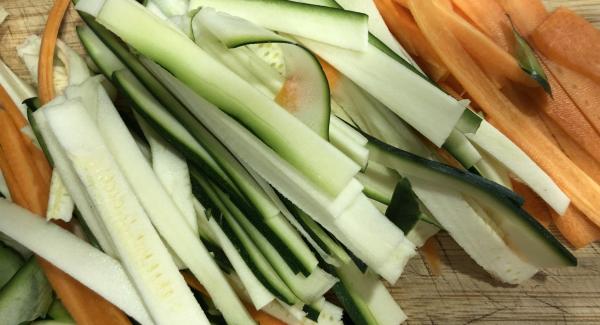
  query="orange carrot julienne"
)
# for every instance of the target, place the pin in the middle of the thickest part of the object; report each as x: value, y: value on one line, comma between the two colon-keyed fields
x: 431, y: 254
x: 491, y: 57
x: 574, y: 150
x: 7, y: 103
x: 21, y: 163
x: 47, y: 49
x: 576, y: 228
x: 405, y: 30
x: 570, y: 40
x: 11, y: 181
x: 582, y: 90
x: 331, y: 73
x: 518, y: 125
x: 491, y: 19
x: 525, y: 14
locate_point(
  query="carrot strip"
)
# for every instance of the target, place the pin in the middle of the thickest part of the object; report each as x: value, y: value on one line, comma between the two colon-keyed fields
x: 576, y: 228
x: 574, y: 150
x: 7, y: 103
x: 527, y: 15
x: 49, y: 38
x: 405, y: 30
x: 11, y: 181
x: 562, y: 110
x: 492, y: 58
x: 582, y: 90
x: 431, y: 255
x: 21, y: 163
x: 259, y: 316
x: 570, y: 40
x: 581, y: 189
x: 332, y: 75
x: 533, y: 204
x: 491, y: 19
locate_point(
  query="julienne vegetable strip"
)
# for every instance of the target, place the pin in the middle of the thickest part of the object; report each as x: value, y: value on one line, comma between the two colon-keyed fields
x: 565, y: 27
x: 582, y: 190
x: 12, y: 109
x: 49, y: 38
x: 84, y: 305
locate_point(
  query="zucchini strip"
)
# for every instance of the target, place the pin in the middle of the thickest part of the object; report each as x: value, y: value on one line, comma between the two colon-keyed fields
x: 338, y: 27
x: 139, y: 247
x: 318, y: 160
x: 348, y: 218
x: 163, y: 211
x: 94, y: 269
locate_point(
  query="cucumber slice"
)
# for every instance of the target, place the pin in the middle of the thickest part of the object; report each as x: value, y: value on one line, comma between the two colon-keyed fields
x: 103, y: 57
x: 26, y: 296
x: 10, y: 263
x: 330, y: 25
x: 318, y: 160
x: 347, y: 144
x: 88, y: 265
x: 497, y: 145
x: 140, y: 248
x: 422, y: 105
x: 522, y: 232
x: 305, y: 93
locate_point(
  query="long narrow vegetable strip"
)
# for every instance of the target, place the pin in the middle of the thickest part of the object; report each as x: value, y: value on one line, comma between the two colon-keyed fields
x: 83, y: 304
x: 12, y: 109
x: 46, y: 64
x: 20, y: 161
x: 584, y: 192
x: 11, y: 180
x: 525, y: 14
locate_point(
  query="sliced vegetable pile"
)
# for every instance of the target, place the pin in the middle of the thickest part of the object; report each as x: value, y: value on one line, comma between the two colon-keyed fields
x: 234, y: 161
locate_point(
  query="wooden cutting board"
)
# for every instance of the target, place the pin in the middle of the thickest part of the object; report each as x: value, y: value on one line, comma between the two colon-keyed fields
x: 463, y: 293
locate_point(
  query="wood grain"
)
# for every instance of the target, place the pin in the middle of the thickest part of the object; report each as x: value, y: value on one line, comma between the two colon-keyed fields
x: 463, y: 293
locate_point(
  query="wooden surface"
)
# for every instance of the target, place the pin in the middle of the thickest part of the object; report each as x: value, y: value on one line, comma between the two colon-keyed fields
x: 463, y: 293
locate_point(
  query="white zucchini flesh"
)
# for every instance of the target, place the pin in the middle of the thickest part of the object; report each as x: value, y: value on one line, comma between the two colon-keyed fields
x: 16, y: 88
x: 375, y: 119
x: 163, y: 212
x: 346, y: 144
x: 473, y: 233
x: 497, y: 145
x: 490, y: 168
x: 330, y: 25
x: 259, y: 295
x: 94, y: 269
x: 73, y: 184
x: 426, y: 108
x: 379, y: 253
x: 139, y: 246
x: 318, y: 160
x: 172, y: 7
x: 172, y: 170
x: 60, y: 203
